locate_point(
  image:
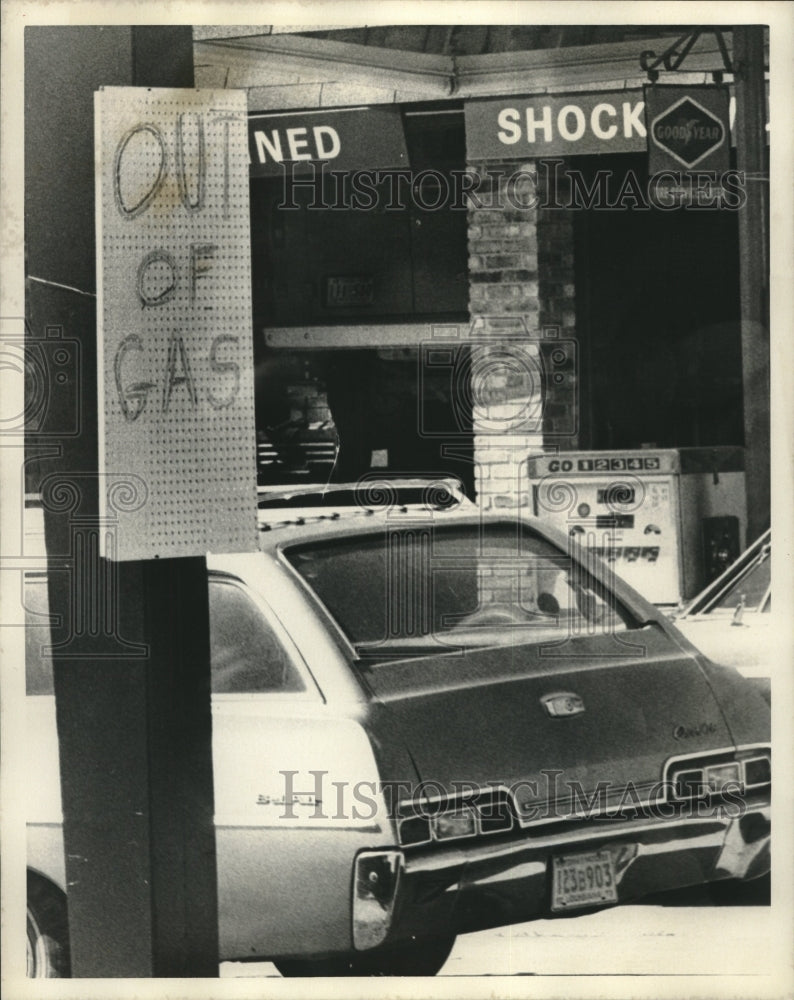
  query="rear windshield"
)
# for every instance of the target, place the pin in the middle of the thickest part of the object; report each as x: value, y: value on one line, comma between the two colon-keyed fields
x: 474, y: 585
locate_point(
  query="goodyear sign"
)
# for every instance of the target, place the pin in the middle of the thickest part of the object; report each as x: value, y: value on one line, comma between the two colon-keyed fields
x: 688, y: 128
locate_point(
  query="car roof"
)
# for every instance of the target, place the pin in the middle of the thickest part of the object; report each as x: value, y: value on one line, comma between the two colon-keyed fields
x: 297, y: 504
x: 308, y: 527
x: 361, y: 488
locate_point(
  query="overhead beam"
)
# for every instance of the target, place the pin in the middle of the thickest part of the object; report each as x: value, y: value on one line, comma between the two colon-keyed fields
x: 377, y: 335
x: 542, y: 69
x: 258, y: 60
x: 250, y: 61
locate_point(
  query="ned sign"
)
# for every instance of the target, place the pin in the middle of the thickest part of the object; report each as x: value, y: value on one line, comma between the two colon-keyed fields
x: 176, y: 410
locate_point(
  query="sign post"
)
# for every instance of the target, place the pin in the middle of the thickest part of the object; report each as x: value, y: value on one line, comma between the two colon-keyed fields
x: 177, y: 478
x: 130, y: 626
x: 748, y: 54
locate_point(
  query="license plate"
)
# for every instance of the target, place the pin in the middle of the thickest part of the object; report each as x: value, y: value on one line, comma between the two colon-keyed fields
x: 582, y: 880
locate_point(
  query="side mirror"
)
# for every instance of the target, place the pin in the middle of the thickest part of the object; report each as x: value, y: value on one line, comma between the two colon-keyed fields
x: 548, y: 604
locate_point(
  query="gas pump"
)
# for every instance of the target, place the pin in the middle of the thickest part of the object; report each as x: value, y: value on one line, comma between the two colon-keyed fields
x: 668, y: 521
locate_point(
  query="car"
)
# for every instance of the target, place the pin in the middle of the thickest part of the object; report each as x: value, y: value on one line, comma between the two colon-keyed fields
x: 373, y: 493
x: 731, y: 619
x: 429, y: 725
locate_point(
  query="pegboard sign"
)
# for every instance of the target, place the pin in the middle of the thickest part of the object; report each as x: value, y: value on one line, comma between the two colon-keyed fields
x: 174, y: 315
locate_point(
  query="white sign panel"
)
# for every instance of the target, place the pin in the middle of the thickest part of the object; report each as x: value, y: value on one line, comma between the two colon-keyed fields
x: 175, y: 347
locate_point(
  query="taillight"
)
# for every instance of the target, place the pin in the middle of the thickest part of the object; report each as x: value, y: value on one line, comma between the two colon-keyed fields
x: 757, y: 772
x: 453, y: 825
x: 375, y: 881
x: 714, y: 779
x: 695, y: 779
x: 688, y: 784
x: 495, y: 817
x: 414, y: 830
x: 720, y: 778
x: 480, y: 814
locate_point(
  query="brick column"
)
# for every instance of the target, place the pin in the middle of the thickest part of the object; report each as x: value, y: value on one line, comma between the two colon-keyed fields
x: 521, y: 300
x: 558, y: 320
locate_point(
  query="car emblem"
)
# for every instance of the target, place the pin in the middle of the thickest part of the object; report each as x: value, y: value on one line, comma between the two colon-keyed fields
x: 693, y: 732
x: 562, y: 703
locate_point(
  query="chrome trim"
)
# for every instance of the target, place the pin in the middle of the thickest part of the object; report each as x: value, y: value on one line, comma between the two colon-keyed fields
x: 744, y: 747
x: 359, y: 926
x: 691, y: 764
x: 549, y: 702
x: 526, y: 869
x: 469, y: 793
x: 607, y: 812
x: 243, y: 823
x: 594, y: 813
x: 692, y: 829
x: 695, y: 756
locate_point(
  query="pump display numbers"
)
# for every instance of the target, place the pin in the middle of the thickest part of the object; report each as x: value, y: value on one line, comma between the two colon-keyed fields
x: 626, y: 519
x: 650, y: 463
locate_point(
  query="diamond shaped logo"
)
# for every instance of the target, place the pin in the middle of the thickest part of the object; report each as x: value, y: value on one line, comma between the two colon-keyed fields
x: 688, y: 132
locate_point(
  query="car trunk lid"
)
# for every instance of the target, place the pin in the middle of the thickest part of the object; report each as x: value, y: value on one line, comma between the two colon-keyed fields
x: 557, y: 723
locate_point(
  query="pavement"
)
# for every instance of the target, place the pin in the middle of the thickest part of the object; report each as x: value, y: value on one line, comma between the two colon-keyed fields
x: 678, y: 934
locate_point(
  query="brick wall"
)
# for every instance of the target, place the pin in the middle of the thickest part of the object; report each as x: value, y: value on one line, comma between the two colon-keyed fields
x: 558, y: 315
x: 523, y: 327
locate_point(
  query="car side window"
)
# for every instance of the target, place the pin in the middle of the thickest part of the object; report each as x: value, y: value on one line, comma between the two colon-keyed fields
x: 38, y: 660
x: 247, y: 655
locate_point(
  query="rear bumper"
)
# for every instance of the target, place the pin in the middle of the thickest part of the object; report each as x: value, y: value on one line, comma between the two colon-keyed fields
x: 494, y: 884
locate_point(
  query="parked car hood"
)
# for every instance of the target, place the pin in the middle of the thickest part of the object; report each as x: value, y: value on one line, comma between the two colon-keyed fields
x: 749, y: 646
x: 719, y: 624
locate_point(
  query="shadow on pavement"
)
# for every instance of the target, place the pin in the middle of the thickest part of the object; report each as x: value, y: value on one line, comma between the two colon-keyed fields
x: 727, y: 893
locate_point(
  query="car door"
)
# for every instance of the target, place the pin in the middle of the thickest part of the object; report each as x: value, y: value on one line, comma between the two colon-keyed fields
x: 285, y: 764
